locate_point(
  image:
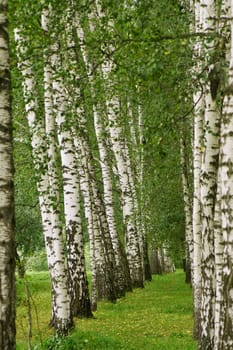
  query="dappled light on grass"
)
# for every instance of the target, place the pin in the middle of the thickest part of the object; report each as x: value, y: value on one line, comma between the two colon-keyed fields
x: 158, y: 317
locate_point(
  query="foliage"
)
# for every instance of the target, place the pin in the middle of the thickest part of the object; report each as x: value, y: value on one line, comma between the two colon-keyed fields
x: 59, y: 343
x: 27, y: 215
x: 154, y: 55
x: 158, y: 317
x: 37, y: 262
x: 28, y: 227
x: 152, y: 58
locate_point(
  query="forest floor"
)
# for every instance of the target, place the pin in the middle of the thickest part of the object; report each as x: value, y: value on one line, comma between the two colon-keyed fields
x: 158, y: 317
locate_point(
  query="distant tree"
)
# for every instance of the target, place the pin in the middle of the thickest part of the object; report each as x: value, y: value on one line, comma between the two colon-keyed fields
x: 186, y: 182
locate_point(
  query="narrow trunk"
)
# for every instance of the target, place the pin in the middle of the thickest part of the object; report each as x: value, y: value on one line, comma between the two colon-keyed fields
x: 187, y: 206
x: 198, y: 101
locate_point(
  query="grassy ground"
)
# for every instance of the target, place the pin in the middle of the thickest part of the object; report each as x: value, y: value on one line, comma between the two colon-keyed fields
x: 158, y: 317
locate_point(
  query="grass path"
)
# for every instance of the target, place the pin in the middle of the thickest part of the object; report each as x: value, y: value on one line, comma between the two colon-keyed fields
x: 158, y: 317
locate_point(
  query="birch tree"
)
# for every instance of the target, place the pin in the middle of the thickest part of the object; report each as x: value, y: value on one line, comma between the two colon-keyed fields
x: 205, y: 179
x: 46, y: 175
x: 78, y: 285
x: 121, y: 153
x: 224, y: 339
x: 103, y: 260
x: 211, y: 19
x: 198, y: 100
x: 71, y: 104
x: 102, y: 136
x: 7, y: 240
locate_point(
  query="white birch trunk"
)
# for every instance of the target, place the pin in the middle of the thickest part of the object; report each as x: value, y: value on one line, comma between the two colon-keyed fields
x: 197, y: 286
x: 78, y: 285
x: 118, y: 146
x: 219, y: 316
x: 121, y: 153
x: 122, y: 277
x: 7, y: 239
x: 92, y: 222
x: 208, y: 197
x: 61, y: 318
x: 198, y: 101
x: 104, y: 256
x: 225, y: 338
x: 137, y: 180
x: 226, y: 320
x: 133, y: 252
x: 208, y: 188
x: 218, y: 247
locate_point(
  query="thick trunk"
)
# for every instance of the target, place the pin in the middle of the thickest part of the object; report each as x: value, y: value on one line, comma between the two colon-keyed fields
x: 208, y: 198
x: 208, y: 180
x: 7, y: 240
x: 226, y: 318
x: 225, y: 295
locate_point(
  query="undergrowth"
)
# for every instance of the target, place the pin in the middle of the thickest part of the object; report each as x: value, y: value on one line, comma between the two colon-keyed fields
x: 158, y: 317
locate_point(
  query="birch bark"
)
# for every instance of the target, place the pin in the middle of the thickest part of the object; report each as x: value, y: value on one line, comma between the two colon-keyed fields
x: 198, y: 100
x: 61, y: 317
x: 113, y: 111
x: 208, y: 182
x: 226, y: 165
x: 218, y: 247
x: 7, y: 239
x: 77, y: 279
x: 133, y: 252
x: 122, y: 277
x: 137, y: 180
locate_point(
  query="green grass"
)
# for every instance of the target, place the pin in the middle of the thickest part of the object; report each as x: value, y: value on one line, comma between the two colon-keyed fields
x: 158, y: 317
